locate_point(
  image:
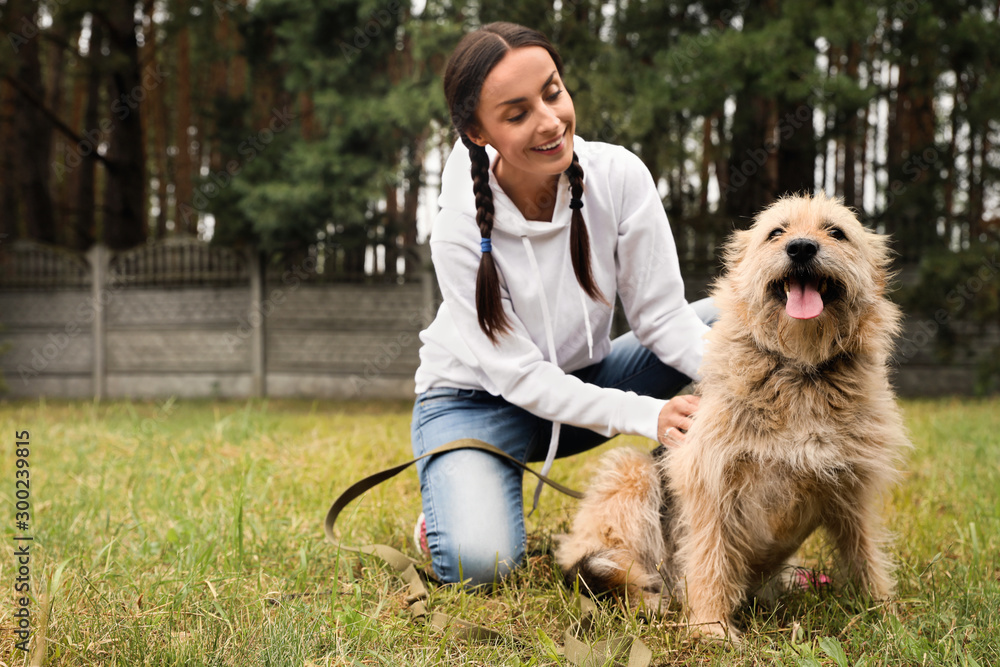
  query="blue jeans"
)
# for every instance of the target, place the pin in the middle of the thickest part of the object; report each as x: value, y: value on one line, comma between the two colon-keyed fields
x: 472, y: 500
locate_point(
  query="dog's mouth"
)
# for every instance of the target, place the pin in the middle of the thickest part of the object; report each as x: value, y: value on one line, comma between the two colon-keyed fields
x: 806, y: 294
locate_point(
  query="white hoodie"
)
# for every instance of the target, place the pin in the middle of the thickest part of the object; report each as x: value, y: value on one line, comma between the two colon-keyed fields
x: 556, y: 327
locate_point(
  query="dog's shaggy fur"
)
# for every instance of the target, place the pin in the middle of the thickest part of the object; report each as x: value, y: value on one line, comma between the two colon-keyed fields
x: 797, y: 429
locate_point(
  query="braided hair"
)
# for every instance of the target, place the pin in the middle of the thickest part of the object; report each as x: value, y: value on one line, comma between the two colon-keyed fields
x: 474, y: 57
x: 579, y: 239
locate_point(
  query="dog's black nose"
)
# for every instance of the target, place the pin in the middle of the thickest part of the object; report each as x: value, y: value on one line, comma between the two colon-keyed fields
x: 801, y: 250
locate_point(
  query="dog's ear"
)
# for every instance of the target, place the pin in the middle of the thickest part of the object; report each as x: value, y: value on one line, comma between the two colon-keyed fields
x: 735, y: 248
x: 881, y: 259
x: 881, y: 248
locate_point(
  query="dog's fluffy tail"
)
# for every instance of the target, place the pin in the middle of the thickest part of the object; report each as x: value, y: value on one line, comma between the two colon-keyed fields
x: 613, y: 571
x: 616, y: 544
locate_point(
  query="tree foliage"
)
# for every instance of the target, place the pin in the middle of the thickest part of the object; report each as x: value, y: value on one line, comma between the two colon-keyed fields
x: 292, y: 123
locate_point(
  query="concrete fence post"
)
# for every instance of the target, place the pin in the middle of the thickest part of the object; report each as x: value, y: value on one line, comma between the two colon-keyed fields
x: 99, y: 257
x: 257, y: 332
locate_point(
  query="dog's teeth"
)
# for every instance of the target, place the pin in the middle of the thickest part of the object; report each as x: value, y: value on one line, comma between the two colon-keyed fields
x: 787, y: 288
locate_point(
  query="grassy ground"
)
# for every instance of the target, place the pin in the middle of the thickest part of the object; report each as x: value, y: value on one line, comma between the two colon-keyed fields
x: 191, y: 534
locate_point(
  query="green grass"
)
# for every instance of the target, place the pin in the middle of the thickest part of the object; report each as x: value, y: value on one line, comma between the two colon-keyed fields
x: 191, y: 534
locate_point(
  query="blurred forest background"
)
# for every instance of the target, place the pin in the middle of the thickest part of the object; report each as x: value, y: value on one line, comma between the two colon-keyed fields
x: 291, y: 123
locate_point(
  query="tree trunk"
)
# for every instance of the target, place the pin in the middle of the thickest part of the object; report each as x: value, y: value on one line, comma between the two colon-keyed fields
x: 125, y: 188
x: 187, y: 213
x: 71, y: 185
x: 895, y: 140
x: 911, y: 173
x: 749, y: 188
x: 33, y: 133
x: 9, y: 215
x: 706, y: 158
x: 218, y: 86
x: 863, y: 176
x: 977, y: 168
x: 237, y: 61
x: 951, y: 177
x: 870, y: 110
x: 851, y: 133
x: 85, y: 227
x: 156, y: 129
x: 411, y: 198
x: 55, y: 68
x: 391, y: 225
x: 721, y: 159
x: 979, y: 221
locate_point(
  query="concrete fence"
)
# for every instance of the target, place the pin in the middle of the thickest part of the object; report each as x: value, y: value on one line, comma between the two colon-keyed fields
x: 187, y: 319
x: 183, y: 318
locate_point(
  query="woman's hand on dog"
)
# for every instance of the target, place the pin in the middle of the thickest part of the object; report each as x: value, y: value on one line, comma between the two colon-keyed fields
x: 675, y: 419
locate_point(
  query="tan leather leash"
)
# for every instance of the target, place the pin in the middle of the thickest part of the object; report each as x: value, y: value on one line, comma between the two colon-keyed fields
x: 374, y: 480
x: 582, y: 654
x: 577, y: 651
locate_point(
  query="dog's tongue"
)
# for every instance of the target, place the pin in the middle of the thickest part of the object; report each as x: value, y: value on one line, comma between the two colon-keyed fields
x: 804, y: 301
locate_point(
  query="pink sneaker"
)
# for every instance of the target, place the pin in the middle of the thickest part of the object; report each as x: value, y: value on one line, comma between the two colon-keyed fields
x: 807, y: 579
x: 420, y: 535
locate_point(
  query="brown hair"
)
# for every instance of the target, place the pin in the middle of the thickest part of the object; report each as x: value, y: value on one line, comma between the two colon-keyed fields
x: 473, y: 59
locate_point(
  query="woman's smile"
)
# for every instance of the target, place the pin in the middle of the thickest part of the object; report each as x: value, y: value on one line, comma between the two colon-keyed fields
x: 551, y: 148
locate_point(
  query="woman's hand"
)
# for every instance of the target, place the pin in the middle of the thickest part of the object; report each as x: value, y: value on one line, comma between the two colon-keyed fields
x: 675, y: 419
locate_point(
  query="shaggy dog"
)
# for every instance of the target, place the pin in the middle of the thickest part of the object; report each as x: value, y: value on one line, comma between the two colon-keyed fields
x: 797, y: 429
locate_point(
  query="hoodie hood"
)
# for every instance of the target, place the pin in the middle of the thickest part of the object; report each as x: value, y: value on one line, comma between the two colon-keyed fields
x: 457, y: 195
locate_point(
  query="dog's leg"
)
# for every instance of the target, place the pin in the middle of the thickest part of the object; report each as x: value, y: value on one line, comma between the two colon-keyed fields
x: 857, y: 533
x: 714, y: 574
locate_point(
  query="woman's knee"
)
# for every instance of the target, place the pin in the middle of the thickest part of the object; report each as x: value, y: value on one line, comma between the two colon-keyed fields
x: 475, y: 516
x: 479, y: 563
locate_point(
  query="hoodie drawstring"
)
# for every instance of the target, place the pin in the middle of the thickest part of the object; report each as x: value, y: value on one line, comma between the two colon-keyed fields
x: 550, y: 456
x: 586, y: 322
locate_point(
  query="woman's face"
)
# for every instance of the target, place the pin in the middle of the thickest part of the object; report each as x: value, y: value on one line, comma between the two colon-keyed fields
x: 526, y: 114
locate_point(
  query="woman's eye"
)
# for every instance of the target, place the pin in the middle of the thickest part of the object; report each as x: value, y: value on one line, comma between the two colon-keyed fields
x: 775, y: 233
x: 517, y: 118
x: 554, y: 95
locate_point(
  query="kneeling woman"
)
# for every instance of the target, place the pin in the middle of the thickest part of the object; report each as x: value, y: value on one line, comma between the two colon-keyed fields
x: 537, y: 233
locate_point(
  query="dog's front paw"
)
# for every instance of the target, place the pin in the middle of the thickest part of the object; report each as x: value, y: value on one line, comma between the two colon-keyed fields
x: 714, y: 631
x: 659, y: 603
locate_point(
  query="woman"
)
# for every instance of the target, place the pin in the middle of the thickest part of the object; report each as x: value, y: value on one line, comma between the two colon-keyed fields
x: 538, y: 230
